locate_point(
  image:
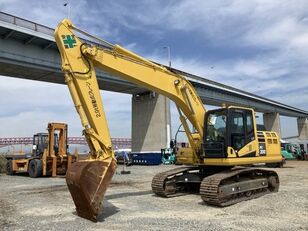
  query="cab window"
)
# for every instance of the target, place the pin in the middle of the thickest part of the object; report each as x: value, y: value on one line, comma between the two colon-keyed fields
x: 241, y: 128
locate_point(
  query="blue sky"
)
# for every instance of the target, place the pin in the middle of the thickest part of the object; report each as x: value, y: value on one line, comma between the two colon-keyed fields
x: 258, y: 46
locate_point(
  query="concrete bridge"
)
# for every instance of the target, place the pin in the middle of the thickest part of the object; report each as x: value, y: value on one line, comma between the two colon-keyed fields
x: 28, y: 51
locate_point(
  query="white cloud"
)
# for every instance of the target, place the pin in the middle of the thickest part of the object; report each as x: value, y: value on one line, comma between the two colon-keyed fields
x: 118, y: 112
x: 274, y: 33
x: 29, y: 105
x: 30, y: 122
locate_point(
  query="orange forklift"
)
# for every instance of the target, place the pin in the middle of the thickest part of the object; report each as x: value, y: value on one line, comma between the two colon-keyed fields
x: 49, y: 155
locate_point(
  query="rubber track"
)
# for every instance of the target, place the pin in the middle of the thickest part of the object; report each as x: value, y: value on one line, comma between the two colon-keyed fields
x: 158, y: 181
x: 209, y: 187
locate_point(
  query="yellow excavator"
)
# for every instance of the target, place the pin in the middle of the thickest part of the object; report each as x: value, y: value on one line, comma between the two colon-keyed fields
x: 221, y: 142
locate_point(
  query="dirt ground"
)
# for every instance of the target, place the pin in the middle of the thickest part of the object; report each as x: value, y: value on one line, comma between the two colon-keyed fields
x: 45, y: 204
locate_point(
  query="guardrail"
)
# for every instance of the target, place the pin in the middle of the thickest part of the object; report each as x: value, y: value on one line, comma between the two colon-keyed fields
x: 25, y: 23
x: 116, y: 142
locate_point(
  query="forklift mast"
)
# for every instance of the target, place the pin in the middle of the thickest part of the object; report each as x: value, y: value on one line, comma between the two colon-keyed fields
x: 55, y: 141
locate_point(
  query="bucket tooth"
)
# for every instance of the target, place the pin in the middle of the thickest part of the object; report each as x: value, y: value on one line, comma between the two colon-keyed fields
x: 87, y: 182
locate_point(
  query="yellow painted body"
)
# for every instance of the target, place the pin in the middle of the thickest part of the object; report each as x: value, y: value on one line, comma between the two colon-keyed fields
x: 78, y: 62
x: 273, y: 155
x: 20, y: 165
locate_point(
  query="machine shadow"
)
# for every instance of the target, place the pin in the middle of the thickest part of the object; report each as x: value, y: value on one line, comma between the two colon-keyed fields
x: 128, y: 194
x: 22, y: 174
x: 288, y: 167
x: 109, y: 209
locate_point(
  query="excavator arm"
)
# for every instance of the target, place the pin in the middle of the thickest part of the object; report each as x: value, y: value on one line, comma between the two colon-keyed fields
x: 88, y: 180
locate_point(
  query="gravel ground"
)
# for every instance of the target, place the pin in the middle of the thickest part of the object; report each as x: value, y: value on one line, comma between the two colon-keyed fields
x: 45, y: 204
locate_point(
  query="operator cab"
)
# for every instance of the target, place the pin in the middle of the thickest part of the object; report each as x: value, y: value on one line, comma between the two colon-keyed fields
x: 227, y: 127
x: 40, y: 143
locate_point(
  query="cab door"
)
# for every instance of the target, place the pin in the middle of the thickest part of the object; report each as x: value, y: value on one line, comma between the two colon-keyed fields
x: 241, y: 132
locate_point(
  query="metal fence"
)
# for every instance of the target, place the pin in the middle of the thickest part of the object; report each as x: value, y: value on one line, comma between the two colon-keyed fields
x: 116, y: 142
x: 25, y: 23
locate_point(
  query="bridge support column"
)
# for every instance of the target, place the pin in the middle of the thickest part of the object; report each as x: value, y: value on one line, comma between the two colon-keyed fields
x: 151, y: 122
x: 302, y: 125
x: 272, y: 122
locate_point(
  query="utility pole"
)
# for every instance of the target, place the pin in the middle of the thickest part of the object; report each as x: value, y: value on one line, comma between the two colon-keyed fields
x: 167, y: 104
x: 169, y: 54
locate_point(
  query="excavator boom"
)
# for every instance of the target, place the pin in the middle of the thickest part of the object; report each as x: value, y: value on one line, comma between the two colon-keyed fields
x: 88, y: 180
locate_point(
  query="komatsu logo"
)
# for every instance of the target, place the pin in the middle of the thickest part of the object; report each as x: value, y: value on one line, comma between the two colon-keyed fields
x: 69, y: 41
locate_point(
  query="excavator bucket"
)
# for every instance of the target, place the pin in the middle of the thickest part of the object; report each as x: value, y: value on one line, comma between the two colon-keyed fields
x: 87, y: 182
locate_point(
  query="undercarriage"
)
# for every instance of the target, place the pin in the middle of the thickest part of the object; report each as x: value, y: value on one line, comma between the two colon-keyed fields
x: 219, y: 186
